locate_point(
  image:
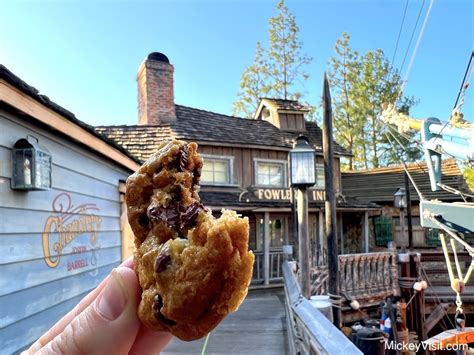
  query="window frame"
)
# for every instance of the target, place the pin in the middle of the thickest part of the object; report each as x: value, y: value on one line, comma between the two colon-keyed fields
x: 315, y: 187
x: 284, y: 163
x: 230, y: 162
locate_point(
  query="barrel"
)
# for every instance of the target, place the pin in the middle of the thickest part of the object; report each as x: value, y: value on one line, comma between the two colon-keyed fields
x: 369, y: 340
x: 324, y: 305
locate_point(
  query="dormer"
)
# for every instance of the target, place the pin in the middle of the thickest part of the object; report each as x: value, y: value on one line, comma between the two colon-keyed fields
x: 287, y: 115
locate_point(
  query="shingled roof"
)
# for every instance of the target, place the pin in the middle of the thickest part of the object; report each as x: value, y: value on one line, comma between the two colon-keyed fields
x: 379, y: 185
x: 205, y: 126
x: 287, y: 105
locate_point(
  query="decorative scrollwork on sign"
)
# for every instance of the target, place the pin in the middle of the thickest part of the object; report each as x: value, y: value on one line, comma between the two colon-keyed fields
x: 79, y: 221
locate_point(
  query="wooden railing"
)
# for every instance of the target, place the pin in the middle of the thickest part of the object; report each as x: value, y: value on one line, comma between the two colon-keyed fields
x: 369, y: 277
x: 274, y: 272
x: 308, y: 330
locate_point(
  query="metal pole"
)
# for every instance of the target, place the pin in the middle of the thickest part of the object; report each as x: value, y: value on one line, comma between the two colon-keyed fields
x: 330, y: 203
x: 303, y: 241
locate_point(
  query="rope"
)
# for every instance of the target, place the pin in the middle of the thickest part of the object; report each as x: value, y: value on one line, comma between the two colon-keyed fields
x: 405, y: 167
x: 420, y: 35
x: 436, y: 295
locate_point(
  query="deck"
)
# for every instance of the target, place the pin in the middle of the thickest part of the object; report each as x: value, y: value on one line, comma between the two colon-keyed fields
x: 258, y: 327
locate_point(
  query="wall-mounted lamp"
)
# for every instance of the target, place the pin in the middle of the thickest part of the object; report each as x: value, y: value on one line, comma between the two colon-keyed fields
x: 31, y: 165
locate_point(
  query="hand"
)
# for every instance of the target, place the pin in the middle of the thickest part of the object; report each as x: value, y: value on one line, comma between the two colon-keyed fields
x: 104, y: 322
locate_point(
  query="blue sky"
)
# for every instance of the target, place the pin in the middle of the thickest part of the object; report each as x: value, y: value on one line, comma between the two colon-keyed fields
x: 84, y: 54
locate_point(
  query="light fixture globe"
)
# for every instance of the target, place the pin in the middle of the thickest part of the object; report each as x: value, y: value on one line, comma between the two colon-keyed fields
x: 400, y: 198
x: 302, y: 164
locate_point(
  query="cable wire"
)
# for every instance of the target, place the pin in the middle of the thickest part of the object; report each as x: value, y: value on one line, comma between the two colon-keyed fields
x: 463, y: 80
x: 400, y: 32
x: 412, y: 35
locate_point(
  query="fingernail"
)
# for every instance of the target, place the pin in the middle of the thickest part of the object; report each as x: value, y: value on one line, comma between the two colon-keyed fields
x: 113, y: 298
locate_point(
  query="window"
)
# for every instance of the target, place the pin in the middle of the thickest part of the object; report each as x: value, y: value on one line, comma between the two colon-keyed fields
x: 216, y: 170
x: 277, y: 229
x: 319, y: 177
x: 270, y: 173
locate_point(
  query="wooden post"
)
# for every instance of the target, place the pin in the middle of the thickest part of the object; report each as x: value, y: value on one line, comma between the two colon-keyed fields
x: 322, y: 240
x: 330, y: 203
x: 366, y: 231
x: 402, y: 229
x: 340, y: 231
x: 303, y: 242
x: 266, y: 248
x: 410, y: 224
x: 294, y: 217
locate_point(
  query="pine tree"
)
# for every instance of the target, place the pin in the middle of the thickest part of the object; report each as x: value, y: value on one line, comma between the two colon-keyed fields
x: 362, y: 84
x: 277, y: 72
x: 284, y: 54
x: 254, y: 83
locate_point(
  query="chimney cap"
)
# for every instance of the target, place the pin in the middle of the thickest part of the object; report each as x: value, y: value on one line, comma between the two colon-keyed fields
x: 159, y: 57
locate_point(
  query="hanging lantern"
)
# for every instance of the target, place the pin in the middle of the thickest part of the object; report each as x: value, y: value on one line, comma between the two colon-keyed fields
x: 302, y: 164
x: 31, y: 165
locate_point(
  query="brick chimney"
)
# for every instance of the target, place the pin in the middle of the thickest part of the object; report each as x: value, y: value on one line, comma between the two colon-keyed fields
x: 155, y: 90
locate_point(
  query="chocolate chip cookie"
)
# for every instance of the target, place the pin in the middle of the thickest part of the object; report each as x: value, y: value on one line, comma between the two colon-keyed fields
x: 194, y: 269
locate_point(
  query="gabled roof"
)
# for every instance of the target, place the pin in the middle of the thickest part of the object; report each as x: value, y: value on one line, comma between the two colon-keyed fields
x: 280, y: 105
x: 212, y: 128
x: 379, y: 185
x: 286, y: 105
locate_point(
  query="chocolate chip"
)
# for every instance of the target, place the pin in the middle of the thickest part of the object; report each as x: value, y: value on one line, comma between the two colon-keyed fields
x: 183, y: 159
x: 143, y: 220
x: 157, y: 305
x: 169, y: 215
x: 188, y: 218
x: 176, y: 216
x: 162, y: 261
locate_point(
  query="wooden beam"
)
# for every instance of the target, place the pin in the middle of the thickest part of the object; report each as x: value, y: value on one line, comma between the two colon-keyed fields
x: 24, y: 103
x: 266, y: 248
x: 435, y: 316
x: 322, y: 239
x: 366, y: 231
x: 330, y: 203
x: 303, y: 241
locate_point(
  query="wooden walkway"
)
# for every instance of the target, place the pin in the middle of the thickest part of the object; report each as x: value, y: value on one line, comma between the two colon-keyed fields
x: 258, y: 327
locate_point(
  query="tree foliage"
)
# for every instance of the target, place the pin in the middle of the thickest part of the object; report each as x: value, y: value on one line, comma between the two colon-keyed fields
x: 278, y: 71
x: 362, y: 83
x: 254, y: 84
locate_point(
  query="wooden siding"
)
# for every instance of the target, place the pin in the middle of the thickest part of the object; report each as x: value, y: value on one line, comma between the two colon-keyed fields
x: 292, y: 122
x: 84, y: 202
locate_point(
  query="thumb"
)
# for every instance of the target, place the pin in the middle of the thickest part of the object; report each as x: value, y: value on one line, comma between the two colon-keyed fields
x: 107, y: 326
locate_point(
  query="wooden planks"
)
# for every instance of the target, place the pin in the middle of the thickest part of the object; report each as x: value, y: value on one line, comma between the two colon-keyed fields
x: 56, y: 245
x: 255, y: 328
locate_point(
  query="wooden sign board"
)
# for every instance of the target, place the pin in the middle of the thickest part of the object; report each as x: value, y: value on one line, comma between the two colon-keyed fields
x: 275, y: 194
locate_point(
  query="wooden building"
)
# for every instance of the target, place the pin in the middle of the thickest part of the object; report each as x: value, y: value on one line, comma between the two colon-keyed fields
x: 379, y: 186
x: 57, y: 242
x: 245, y: 166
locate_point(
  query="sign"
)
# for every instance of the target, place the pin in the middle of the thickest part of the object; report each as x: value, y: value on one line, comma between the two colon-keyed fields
x: 272, y: 194
x: 69, y: 221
